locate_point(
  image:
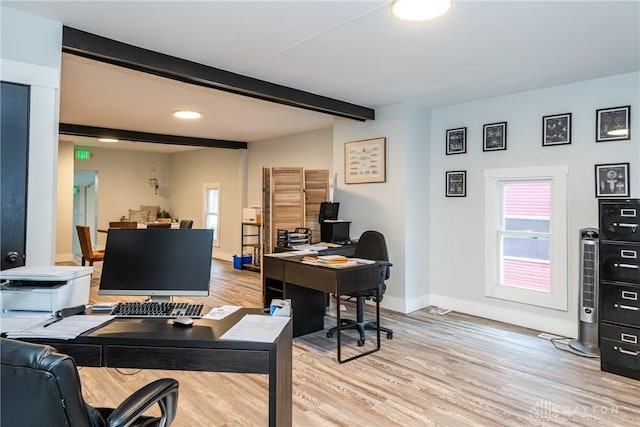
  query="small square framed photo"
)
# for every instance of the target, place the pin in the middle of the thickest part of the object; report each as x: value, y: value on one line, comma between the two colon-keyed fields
x: 495, y: 136
x: 556, y: 129
x: 456, y: 183
x: 456, y: 141
x: 613, y: 124
x: 612, y: 180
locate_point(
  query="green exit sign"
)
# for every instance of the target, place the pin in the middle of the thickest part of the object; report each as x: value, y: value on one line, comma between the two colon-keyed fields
x: 83, y: 154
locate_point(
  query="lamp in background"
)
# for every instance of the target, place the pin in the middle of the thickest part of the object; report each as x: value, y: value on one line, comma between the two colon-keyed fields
x: 419, y: 10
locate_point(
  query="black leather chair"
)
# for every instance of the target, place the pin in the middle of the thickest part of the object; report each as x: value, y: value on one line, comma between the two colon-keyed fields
x: 371, y: 245
x: 186, y: 223
x: 42, y: 388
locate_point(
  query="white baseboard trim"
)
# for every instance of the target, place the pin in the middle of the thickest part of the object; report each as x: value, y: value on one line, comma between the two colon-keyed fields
x: 528, y: 320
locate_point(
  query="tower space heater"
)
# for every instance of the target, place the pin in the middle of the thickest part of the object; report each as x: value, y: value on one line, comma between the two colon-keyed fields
x: 587, y: 341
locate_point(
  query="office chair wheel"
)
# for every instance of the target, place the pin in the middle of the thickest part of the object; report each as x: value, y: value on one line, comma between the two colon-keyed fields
x: 360, y: 343
x: 329, y: 334
x: 389, y: 335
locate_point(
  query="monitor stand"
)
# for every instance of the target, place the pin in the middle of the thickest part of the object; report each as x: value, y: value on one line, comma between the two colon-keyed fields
x: 160, y: 298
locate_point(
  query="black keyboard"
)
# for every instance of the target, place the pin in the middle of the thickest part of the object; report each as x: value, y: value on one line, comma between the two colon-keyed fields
x: 166, y: 310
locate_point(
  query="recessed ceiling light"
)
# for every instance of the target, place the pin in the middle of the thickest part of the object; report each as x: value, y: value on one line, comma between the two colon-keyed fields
x: 419, y: 10
x: 187, y: 114
x: 108, y: 140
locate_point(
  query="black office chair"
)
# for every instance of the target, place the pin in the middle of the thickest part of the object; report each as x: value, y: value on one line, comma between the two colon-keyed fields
x: 186, y: 223
x: 371, y: 245
x: 42, y: 388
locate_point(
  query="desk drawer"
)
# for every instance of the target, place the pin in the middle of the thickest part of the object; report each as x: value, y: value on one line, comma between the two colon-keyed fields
x: 620, y: 220
x: 620, y: 358
x: 620, y: 262
x: 621, y: 304
x: 188, y: 359
x: 83, y: 354
x: 621, y: 334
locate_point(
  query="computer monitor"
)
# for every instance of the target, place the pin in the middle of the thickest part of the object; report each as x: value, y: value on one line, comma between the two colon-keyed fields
x: 328, y: 211
x: 159, y: 263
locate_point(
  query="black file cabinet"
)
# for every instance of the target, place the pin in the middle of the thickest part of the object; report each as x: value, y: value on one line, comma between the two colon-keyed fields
x: 620, y: 287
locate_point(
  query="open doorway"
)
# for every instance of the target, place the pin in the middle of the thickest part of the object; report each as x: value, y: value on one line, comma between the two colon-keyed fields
x: 85, y: 205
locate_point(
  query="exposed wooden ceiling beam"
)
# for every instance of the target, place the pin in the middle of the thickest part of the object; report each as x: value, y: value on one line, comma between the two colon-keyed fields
x: 99, y: 48
x: 130, y: 135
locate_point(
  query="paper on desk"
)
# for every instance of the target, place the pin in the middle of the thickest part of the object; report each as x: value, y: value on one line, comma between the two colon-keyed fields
x: 256, y: 327
x: 218, y: 313
x: 290, y: 253
x: 13, y: 322
x: 67, y: 328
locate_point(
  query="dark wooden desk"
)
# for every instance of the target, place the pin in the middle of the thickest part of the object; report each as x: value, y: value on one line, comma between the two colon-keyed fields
x: 158, y: 344
x: 307, y: 285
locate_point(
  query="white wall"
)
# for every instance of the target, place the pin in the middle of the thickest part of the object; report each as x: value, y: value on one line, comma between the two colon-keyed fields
x: 31, y: 55
x: 64, y: 203
x: 392, y: 207
x: 457, y: 224
x: 191, y: 169
x: 309, y: 150
x: 123, y: 182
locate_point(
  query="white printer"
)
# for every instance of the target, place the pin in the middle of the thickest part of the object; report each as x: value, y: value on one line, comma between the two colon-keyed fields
x: 44, y: 288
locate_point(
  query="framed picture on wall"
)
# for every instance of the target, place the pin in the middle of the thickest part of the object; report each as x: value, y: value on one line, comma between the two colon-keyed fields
x: 494, y: 136
x: 612, y: 124
x: 456, y: 140
x: 456, y: 183
x: 612, y: 180
x: 364, y: 161
x: 556, y: 129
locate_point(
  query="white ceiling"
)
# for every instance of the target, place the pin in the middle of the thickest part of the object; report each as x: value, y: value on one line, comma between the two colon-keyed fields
x: 354, y: 51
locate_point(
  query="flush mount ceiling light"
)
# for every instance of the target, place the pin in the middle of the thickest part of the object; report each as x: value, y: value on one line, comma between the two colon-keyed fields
x: 187, y: 114
x: 419, y: 10
x: 108, y: 140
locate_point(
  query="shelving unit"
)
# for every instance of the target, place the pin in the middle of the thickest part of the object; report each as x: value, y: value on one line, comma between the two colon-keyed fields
x: 251, y: 239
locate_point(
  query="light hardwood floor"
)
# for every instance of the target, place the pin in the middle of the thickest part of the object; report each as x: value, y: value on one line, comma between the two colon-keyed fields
x: 452, y: 370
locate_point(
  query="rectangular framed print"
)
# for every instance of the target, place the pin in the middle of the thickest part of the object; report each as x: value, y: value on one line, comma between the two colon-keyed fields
x: 612, y: 124
x: 556, y: 129
x: 612, y: 180
x: 364, y: 161
x: 494, y: 136
x: 456, y: 141
x: 456, y: 183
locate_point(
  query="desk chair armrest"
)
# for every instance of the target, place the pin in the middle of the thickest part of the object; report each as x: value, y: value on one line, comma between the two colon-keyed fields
x: 164, y: 392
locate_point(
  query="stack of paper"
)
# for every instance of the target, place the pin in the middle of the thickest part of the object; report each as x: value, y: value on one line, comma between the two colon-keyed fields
x: 332, y: 259
x: 64, y: 329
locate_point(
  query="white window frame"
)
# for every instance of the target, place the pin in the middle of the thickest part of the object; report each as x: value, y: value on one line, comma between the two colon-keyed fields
x: 494, y: 178
x: 205, y: 194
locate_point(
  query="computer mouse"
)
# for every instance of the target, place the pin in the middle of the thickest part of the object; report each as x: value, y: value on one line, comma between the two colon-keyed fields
x: 183, y: 321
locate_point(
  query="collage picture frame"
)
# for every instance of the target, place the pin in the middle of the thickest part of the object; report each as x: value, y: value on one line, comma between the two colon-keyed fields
x: 556, y: 129
x: 494, y: 136
x: 612, y: 180
x: 613, y: 124
x: 456, y: 140
x: 456, y: 182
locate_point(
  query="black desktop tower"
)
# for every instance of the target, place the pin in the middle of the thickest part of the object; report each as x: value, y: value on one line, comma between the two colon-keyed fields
x: 334, y: 231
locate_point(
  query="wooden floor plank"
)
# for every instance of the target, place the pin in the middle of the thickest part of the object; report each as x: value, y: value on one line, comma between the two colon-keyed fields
x: 452, y: 370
